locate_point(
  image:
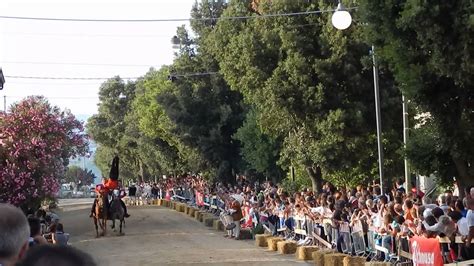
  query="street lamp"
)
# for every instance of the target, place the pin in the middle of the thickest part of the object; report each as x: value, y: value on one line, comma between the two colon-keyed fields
x: 2, y: 79
x: 176, y: 42
x: 341, y: 19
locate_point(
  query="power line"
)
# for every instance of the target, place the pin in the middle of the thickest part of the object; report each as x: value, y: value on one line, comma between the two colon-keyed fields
x: 97, y: 78
x: 194, y: 74
x: 77, y: 64
x: 65, y: 78
x: 172, y: 19
x: 54, y: 97
x: 82, y: 35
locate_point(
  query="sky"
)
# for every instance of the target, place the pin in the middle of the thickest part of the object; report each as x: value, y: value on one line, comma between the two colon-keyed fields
x: 82, y: 49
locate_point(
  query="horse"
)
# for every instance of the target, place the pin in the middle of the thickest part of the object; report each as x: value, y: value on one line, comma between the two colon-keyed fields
x: 116, y: 211
x: 101, y: 214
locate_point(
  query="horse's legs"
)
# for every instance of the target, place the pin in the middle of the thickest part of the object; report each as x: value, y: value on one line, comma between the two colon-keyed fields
x: 121, y: 220
x: 96, y: 227
x: 113, y: 224
x: 105, y: 226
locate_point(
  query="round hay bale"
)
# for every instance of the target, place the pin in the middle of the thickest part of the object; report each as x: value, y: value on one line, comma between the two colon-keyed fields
x: 287, y: 247
x: 245, y: 234
x: 305, y: 252
x: 272, y: 243
x: 209, y: 221
x: 334, y: 259
x: 261, y: 240
x: 218, y: 225
x: 318, y: 256
x: 356, y: 261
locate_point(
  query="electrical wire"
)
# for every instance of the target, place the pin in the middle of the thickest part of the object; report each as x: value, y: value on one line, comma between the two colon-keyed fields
x: 77, y: 64
x: 173, y: 19
x: 97, y: 78
x: 65, y: 78
x: 194, y: 74
x: 54, y: 97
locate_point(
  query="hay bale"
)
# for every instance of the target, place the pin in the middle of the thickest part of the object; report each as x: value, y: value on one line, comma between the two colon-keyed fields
x: 196, y: 214
x: 305, y: 252
x: 245, y: 234
x: 261, y: 240
x: 334, y: 259
x: 181, y: 208
x: 191, y: 212
x: 186, y: 209
x: 218, y: 225
x: 287, y: 247
x: 204, y: 215
x: 356, y: 261
x: 318, y: 256
x: 272, y: 243
x: 377, y: 263
x: 209, y: 221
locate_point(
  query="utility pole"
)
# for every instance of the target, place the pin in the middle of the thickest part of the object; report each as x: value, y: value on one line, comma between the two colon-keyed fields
x: 405, y: 140
x: 378, y: 118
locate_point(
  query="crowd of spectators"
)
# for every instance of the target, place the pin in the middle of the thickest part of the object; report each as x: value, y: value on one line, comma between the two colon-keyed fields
x: 384, y: 218
x: 35, y: 240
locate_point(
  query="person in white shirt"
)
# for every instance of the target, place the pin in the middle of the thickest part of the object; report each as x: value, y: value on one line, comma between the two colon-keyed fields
x: 470, y: 221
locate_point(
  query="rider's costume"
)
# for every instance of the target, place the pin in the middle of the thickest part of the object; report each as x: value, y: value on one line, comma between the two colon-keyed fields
x: 110, y: 185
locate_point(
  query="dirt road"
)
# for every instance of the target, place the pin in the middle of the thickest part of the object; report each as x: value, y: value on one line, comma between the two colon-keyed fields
x: 160, y: 236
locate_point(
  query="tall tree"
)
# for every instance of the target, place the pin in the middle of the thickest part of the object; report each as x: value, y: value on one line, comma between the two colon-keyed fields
x: 111, y: 131
x: 260, y: 151
x: 79, y: 176
x: 311, y: 86
x: 429, y: 47
x: 36, y: 142
x: 203, y: 109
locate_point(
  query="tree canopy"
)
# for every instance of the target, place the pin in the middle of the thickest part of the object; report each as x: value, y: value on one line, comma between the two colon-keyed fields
x: 428, y: 46
x: 36, y: 142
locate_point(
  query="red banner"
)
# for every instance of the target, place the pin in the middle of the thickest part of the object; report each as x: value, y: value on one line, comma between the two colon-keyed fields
x: 425, y: 251
x: 199, y: 199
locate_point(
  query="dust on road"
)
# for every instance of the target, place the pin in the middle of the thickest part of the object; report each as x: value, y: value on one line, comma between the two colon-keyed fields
x: 160, y: 236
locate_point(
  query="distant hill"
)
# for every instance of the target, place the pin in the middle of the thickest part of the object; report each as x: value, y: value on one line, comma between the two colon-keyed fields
x: 84, y: 162
x: 82, y: 117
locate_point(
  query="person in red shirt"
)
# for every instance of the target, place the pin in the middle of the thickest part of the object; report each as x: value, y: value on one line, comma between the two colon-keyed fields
x: 109, y: 185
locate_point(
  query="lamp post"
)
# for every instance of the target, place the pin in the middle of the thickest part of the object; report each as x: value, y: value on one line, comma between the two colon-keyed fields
x: 341, y: 19
x: 2, y: 79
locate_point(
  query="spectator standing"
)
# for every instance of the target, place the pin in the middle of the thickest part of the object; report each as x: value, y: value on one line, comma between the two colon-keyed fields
x: 236, y: 217
x: 14, y: 234
x: 59, y: 237
x: 36, y: 238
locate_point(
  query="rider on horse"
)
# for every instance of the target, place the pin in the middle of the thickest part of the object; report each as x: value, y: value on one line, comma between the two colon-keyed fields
x: 111, y: 184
